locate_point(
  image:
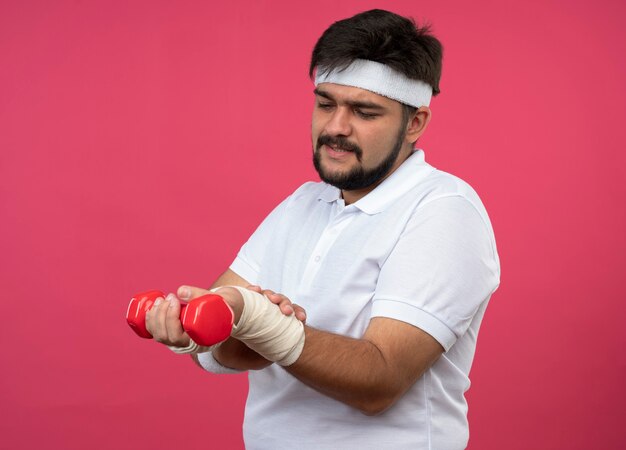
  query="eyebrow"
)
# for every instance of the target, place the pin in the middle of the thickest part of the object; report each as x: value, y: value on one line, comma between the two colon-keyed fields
x: 354, y: 104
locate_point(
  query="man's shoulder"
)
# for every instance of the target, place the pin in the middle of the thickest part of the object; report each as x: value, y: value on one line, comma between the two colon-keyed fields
x: 440, y: 184
x: 442, y: 193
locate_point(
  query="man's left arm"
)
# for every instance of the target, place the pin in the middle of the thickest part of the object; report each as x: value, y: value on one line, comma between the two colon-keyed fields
x: 370, y: 373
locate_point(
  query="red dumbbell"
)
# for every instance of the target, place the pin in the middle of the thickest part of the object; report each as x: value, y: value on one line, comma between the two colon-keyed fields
x: 207, y: 319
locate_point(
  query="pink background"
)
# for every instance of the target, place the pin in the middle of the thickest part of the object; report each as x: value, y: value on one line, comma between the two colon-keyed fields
x: 142, y: 142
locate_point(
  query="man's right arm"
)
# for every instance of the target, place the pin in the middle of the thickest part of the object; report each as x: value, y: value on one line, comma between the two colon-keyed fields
x: 231, y: 353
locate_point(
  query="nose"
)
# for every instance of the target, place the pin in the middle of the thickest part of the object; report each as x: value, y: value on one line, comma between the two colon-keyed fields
x: 339, y: 123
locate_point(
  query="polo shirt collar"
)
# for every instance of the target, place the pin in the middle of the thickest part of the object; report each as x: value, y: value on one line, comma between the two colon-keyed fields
x: 330, y: 194
x: 410, y: 173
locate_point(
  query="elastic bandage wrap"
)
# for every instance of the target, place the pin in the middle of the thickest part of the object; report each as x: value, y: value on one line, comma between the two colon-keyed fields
x: 267, y: 331
x: 192, y: 348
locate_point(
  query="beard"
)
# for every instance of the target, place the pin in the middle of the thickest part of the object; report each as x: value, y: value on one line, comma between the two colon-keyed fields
x: 358, y: 177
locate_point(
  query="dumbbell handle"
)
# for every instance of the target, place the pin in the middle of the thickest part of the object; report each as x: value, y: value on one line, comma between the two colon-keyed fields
x: 207, y: 320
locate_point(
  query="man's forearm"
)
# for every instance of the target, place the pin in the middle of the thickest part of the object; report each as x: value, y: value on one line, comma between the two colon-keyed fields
x: 235, y: 354
x: 353, y: 371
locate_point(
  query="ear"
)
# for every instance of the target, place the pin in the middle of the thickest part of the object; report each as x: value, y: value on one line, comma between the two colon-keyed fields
x: 418, y: 124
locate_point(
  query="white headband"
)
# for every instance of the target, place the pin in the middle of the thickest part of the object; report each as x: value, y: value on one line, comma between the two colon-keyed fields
x: 380, y: 79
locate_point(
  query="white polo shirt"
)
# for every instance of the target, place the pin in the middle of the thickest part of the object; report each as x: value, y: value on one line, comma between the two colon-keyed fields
x: 419, y: 249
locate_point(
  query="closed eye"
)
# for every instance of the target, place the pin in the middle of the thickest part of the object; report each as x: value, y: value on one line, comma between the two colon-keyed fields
x: 325, y: 106
x: 365, y: 115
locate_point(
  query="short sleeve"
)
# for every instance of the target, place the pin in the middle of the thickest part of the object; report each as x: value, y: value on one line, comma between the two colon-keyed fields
x: 248, y: 261
x: 443, y: 267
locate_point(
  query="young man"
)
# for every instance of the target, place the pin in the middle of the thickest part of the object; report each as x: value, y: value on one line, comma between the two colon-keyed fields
x: 392, y: 260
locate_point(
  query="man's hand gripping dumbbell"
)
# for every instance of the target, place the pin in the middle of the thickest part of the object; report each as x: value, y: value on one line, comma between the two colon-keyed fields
x: 264, y: 321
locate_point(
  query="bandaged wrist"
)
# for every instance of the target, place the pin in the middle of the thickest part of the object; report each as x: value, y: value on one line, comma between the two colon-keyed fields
x: 267, y: 331
x: 192, y: 348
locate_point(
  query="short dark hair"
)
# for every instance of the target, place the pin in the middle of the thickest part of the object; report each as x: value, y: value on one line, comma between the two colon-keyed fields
x: 383, y: 37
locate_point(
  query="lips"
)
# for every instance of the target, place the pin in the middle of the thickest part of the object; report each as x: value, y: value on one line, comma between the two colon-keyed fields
x: 336, y: 152
x: 339, y: 149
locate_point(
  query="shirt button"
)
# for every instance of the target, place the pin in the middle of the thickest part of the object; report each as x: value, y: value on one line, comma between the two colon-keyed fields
x: 317, y: 259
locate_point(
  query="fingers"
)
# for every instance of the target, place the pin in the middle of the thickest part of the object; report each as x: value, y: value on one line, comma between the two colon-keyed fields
x: 267, y: 292
x: 299, y: 312
x: 260, y: 290
x: 190, y: 292
x: 175, y: 333
x: 278, y: 299
x: 163, y: 322
x: 152, y: 323
x: 285, y: 305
